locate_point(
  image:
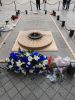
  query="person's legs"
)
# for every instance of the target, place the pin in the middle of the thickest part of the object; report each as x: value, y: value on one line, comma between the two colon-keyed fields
x: 39, y: 5
x: 0, y: 3
x: 64, y: 4
x: 67, y: 5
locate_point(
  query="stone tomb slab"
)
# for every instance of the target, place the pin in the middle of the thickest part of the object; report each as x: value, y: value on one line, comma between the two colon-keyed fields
x: 46, y: 43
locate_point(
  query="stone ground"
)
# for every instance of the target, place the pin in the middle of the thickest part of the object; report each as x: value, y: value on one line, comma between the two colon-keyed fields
x: 37, y: 87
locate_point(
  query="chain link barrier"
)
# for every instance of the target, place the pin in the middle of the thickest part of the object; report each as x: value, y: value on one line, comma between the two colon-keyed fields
x: 45, y: 4
x: 66, y: 26
x: 9, y: 3
x: 52, y: 3
x: 22, y: 3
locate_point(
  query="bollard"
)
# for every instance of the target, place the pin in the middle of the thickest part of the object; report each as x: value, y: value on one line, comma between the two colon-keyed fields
x: 18, y: 11
x: 71, y: 33
x: 0, y: 33
x: 15, y: 6
x: 63, y: 23
x: 45, y: 12
x: 54, y: 13
x: 26, y: 11
x: 6, y: 22
x: 58, y: 17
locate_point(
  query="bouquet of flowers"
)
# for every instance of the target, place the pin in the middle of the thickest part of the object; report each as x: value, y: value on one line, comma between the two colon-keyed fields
x: 57, y: 67
x: 27, y: 62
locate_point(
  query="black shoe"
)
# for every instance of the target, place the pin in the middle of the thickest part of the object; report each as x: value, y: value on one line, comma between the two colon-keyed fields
x: 1, y: 4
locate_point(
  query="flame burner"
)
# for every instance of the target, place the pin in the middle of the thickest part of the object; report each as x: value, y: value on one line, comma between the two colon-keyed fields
x: 35, y: 35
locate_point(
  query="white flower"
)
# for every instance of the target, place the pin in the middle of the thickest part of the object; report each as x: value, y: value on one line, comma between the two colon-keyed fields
x: 37, y: 66
x: 40, y: 72
x: 7, y: 60
x: 34, y: 67
x: 27, y: 54
x: 44, y: 56
x: 44, y: 68
x: 16, y: 71
x: 36, y: 58
x: 30, y: 58
x: 30, y: 71
x: 23, y: 72
x: 12, y: 62
x: 28, y: 63
x: 45, y: 62
x: 19, y: 63
x: 40, y: 65
x: 21, y: 55
x: 10, y: 66
x: 27, y: 66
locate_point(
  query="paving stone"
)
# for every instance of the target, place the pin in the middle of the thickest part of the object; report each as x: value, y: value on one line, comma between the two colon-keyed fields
x: 38, y: 80
x: 63, y: 92
x: 48, y: 82
x: 73, y: 81
x: 70, y: 97
x: 44, y: 86
x: 38, y: 92
x: 4, y: 97
x: 15, y: 80
x: 66, y: 85
x: 31, y: 97
x: 0, y: 84
x: 44, y: 97
x: 8, y: 85
x: 4, y: 80
x: 12, y: 92
x: 50, y: 92
x: 73, y: 91
x: 57, y: 97
x: 26, y: 80
x: 20, y: 85
x: 10, y: 75
x: 25, y: 92
x: 56, y: 86
x: 32, y: 85
x: 18, y: 97
x: 2, y: 91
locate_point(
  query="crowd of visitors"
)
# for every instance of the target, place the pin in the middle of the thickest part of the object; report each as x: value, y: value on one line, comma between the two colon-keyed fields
x: 66, y: 4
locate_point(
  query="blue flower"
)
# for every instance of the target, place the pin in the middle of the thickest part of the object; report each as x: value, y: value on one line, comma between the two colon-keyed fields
x: 28, y: 66
x: 36, y: 70
x: 24, y: 59
x: 14, y: 56
x: 46, y: 66
x: 20, y: 52
x: 17, y: 68
x: 35, y: 53
x: 41, y: 58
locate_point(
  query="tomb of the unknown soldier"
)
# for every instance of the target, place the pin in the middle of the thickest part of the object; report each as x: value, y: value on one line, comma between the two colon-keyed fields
x: 37, y: 50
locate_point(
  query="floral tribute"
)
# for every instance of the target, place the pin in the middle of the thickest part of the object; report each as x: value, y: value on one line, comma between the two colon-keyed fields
x: 27, y: 62
x: 34, y: 62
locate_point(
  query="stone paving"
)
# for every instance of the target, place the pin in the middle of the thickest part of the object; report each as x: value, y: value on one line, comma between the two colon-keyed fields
x: 37, y: 87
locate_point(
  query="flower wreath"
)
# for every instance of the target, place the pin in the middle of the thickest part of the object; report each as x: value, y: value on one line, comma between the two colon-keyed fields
x: 27, y: 62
